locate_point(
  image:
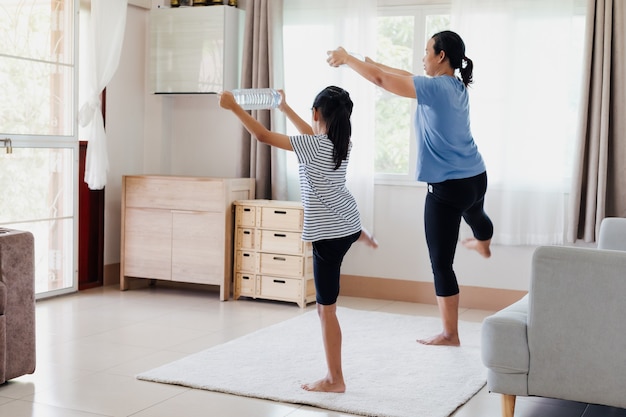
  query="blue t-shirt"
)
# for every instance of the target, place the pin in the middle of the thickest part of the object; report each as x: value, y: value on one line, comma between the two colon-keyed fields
x: 446, y: 148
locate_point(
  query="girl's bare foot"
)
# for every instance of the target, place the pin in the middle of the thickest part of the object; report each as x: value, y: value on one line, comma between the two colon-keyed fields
x: 368, y: 239
x: 325, y: 385
x: 441, y: 340
x: 480, y: 246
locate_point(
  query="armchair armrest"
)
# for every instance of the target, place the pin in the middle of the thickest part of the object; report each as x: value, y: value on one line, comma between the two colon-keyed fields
x: 505, y: 349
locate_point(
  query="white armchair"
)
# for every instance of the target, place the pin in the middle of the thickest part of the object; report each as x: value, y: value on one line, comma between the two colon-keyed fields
x: 566, y: 338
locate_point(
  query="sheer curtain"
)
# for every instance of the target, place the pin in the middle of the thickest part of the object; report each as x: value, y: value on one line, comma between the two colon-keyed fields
x: 525, y: 106
x: 310, y: 29
x: 105, y: 38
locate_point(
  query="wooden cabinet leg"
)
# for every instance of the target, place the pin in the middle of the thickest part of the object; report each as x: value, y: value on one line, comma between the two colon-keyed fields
x: 123, y: 283
x: 508, y: 405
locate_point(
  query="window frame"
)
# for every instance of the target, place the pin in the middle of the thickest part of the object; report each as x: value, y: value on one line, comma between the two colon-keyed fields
x: 419, y: 10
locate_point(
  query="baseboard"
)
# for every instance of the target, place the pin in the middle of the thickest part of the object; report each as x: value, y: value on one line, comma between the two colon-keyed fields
x: 481, y: 298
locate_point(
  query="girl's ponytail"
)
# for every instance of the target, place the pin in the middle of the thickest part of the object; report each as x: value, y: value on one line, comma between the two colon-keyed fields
x: 335, y: 106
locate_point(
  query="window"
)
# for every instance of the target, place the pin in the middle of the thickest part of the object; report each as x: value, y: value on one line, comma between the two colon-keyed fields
x: 38, y: 180
x: 523, y: 118
x: 402, y: 33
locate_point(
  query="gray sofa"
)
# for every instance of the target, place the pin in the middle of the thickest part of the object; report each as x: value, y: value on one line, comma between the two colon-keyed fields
x: 566, y: 338
x: 17, y: 304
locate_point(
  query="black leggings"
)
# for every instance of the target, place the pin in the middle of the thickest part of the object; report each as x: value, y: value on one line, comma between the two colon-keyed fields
x: 327, y: 258
x: 446, y: 203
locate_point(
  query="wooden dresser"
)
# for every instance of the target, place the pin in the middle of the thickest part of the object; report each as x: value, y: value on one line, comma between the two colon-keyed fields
x: 180, y: 228
x: 271, y: 260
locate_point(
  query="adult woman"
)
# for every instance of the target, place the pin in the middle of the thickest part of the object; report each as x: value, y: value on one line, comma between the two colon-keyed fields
x: 448, y: 160
x: 331, y: 217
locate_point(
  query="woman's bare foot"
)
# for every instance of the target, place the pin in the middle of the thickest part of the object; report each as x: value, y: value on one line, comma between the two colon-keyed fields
x: 441, y: 340
x: 368, y: 239
x: 324, y: 385
x: 480, y: 246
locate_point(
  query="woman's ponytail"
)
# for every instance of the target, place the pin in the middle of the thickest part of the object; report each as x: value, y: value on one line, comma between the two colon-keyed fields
x: 467, y: 69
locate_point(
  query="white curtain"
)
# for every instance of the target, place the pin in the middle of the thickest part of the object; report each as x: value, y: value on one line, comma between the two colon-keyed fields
x: 525, y: 107
x: 310, y: 29
x: 105, y: 36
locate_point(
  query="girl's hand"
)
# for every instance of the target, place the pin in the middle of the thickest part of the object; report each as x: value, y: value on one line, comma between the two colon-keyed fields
x: 227, y: 100
x: 337, y: 57
x: 283, y: 100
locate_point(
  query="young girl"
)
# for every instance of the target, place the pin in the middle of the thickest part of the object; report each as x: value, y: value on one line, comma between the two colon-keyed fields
x: 331, y: 217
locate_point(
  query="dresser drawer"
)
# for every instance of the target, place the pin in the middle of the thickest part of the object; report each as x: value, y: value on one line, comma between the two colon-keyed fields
x: 245, y: 284
x: 246, y: 261
x: 282, y: 242
x: 280, y: 288
x: 175, y: 193
x: 282, y: 218
x: 289, y: 265
x: 246, y: 216
x: 246, y: 238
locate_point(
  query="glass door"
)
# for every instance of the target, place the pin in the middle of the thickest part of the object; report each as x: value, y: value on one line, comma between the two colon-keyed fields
x: 38, y: 165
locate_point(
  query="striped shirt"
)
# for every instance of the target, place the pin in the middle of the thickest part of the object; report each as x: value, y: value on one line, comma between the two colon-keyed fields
x: 330, y: 211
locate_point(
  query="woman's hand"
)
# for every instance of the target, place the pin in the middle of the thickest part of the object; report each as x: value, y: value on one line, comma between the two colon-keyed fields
x: 337, y: 57
x: 227, y: 100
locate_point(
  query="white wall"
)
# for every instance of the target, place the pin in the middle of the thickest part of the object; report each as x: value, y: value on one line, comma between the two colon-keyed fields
x: 125, y: 112
x: 191, y: 135
x: 206, y: 140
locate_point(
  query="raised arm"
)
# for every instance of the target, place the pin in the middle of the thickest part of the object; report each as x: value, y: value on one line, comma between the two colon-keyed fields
x: 302, y: 126
x: 387, y: 68
x: 392, y: 81
x: 256, y: 129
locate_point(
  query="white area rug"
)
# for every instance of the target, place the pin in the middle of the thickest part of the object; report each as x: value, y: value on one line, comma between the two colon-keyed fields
x: 387, y: 372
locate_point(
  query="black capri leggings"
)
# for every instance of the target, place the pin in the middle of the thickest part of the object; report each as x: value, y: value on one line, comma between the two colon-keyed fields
x: 327, y: 258
x: 446, y: 203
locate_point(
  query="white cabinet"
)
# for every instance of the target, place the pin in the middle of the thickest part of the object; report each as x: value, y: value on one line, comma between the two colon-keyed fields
x: 271, y: 260
x: 195, y: 49
x: 180, y: 228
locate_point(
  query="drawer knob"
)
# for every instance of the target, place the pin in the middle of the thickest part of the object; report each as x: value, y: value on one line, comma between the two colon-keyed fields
x: 279, y: 258
x: 280, y: 212
x: 280, y: 281
x: 280, y: 235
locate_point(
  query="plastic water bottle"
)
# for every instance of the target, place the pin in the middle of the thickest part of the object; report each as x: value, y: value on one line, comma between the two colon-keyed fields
x: 257, y: 98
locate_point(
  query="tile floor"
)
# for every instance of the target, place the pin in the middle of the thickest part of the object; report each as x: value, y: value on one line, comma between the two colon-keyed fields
x: 90, y: 346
